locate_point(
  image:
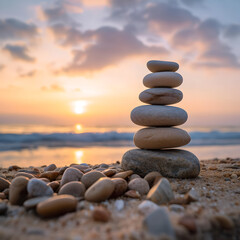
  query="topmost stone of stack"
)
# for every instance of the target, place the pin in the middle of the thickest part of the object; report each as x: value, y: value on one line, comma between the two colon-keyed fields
x: 162, y: 66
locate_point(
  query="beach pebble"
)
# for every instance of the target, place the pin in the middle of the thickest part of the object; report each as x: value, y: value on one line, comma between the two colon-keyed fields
x: 140, y: 185
x: 56, y: 206
x: 101, y: 214
x: 192, y: 196
x: 158, y: 138
x: 132, y: 194
x: 13, y: 168
x: 109, y: 172
x: 152, y: 177
x: 133, y: 176
x: 50, y: 167
x: 24, y: 174
x: 33, y: 202
x: 91, y: 177
x: 71, y: 174
x: 158, y: 223
x: 2, y: 196
x: 222, y: 221
x: 123, y: 175
x: 18, y: 190
x: 162, y: 79
x: 6, y: 192
x: 189, y: 222
x: 38, y: 188
x: 147, y: 207
x: 54, y: 185
x: 4, y: 183
x: 176, y: 208
x: 101, y: 190
x: 119, y: 204
x: 120, y: 187
x: 160, y: 66
x: 158, y: 116
x: 161, y: 193
x: 234, y: 176
x: 3, y: 208
x: 104, y: 165
x: 170, y: 163
x: 161, y: 96
x: 76, y: 189
x: 51, y: 175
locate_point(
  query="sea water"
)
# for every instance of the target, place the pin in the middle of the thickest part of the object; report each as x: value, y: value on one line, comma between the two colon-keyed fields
x: 36, y: 145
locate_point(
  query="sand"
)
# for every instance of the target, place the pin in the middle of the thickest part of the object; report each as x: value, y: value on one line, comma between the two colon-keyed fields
x: 215, y: 214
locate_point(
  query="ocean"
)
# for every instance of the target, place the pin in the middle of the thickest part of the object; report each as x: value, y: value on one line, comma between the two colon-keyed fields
x: 36, y: 145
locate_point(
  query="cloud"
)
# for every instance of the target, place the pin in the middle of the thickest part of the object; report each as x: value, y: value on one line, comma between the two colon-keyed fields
x: 193, y: 3
x: 19, y: 52
x: 15, y: 29
x: 232, y: 31
x: 110, y: 47
x: 53, y: 88
x: 28, y: 74
x: 1, y: 67
x: 205, y: 41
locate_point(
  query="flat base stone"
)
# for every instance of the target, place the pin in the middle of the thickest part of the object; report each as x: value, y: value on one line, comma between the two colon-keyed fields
x: 174, y: 163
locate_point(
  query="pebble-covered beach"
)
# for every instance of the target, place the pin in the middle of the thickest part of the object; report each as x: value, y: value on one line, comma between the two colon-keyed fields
x: 104, y: 202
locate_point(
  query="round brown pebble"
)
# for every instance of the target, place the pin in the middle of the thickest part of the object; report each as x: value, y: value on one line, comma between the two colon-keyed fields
x: 120, y: 187
x: 71, y: 174
x: 18, y: 190
x: 91, y: 177
x: 28, y: 175
x: 109, y: 172
x: 76, y: 189
x: 101, y: 214
x: 133, y: 176
x: 140, y: 185
x: 50, y: 167
x: 51, y: 175
x: 123, y: 175
x: 4, y: 183
x: 56, y: 206
x: 151, y: 177
x: 132, y: 194
x: 54, y: 185
x: 100, y: 190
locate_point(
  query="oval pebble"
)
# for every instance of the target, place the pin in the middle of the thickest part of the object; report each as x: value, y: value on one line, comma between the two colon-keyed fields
x: 159, y: 138
x: 50, y: 167
x: 91, y: 177
x: 18, y: 190
x: 101, y: 214
x: 76, y: 189
x: 28, y: 175
x: 51, y: 175
x: 100, y: 190
x: 140, y: 185
x: 120, y: 187
x: 159, y: 66
x: 71, y: 174
x: 158, y: 116
x: 33, y: 202
x: 4, y: 183
x: 161, y: 96
x: 162, y: 79
x: 57, y: 205
x: 38, y: 188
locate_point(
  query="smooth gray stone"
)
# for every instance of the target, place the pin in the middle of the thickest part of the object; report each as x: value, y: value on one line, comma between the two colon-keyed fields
x: 162, y: 79
x: 158, y: 116
x: 174, y: 163
x: 161, y: 96
x: 159, y: 66
x: 158, y: 223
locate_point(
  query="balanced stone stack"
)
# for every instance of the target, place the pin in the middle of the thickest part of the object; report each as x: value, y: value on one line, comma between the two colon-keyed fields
x: 155, y: 142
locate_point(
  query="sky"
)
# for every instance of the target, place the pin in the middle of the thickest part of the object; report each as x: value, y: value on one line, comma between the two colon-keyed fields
x: 83, y: 61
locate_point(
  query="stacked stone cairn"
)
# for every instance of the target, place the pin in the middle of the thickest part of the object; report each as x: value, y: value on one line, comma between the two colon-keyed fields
x: 157, y: 140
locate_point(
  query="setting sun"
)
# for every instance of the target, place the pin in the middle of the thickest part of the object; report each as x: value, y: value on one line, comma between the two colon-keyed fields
x: 79, y: 107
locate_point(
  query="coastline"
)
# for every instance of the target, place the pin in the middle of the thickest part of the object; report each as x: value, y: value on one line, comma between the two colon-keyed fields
x: 214, y: 215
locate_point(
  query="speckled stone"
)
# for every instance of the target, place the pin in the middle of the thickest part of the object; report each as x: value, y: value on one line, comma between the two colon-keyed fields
x: 170, y: 163
x: 158, y: 116
x: 161, y: 96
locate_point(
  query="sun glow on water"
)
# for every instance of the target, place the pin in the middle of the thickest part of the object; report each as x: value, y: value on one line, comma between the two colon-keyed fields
x: 78, y: 156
